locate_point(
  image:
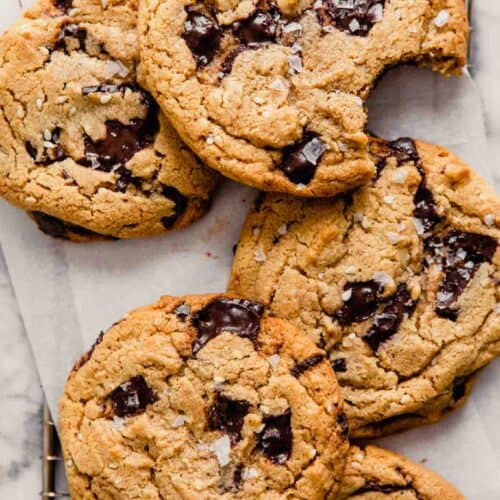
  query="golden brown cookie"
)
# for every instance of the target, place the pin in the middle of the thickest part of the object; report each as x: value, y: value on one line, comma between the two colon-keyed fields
x: 271, y: 93
x: 81, y: 141
x: 398, y: 281
x: 203, y: 397
x: 376, y: 474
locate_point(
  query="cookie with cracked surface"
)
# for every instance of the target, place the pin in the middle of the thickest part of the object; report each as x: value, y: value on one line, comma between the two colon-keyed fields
x: 378, y: 474
x: 203, y: 397
x: 271, y: 93
x: 398, y: 281
x: 81, y: 140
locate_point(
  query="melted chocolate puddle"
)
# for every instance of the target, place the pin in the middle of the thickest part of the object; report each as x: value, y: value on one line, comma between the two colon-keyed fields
x: 228, y: 415
x: 361, y: 304
x: 462, y: 254
x: 386, y: 324
x: 300, y: 160
x: 275, y: 440
x: 238, y: 316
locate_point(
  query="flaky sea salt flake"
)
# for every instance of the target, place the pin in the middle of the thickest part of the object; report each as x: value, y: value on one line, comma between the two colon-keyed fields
x: 442, y: 18
x: 222, y: 449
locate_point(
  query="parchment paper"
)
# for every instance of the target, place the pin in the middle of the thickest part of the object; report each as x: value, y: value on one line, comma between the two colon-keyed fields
x: 68, y: 293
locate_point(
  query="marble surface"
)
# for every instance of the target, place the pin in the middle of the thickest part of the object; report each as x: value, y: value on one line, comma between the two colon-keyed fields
x: 20, y: 393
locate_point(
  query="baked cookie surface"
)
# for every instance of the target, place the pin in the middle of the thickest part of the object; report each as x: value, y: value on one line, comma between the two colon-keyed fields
x: 203, y: 397
x: 398, y: 281
x: 374, y: 473
x: 81, y: 140
x: 271, y: 94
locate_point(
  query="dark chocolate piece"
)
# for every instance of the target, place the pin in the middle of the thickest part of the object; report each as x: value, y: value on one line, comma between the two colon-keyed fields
x: 202, y: 35
x: 405, y: 150
x: 275, y: 440
x: 462, y: 254
x: 387, y: 323
x: 181, y: 203
x: 344, y: 424
x: 71, y: 32
x: 51, y: 152
x: 228, y: 415
x: 64, y: 5
x: 238, y: 316
x: 300, y: 160
x: 261, y: 27
x: 303, y: 366
x: 361, y: 304
x: 356, y: 17
x: 339, y: 365
x: 425, y: 208
x: 132, y: 397
x: 58, y: 228
x: 459, y: 388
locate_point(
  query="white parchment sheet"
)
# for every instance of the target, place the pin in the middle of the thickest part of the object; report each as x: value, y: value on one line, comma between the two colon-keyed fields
x: 68, y: 293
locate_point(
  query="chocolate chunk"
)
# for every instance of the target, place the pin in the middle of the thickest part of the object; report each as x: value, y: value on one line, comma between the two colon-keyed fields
x: 238, y: 470
x: 275, y: 440
x: 238, y: 316
x: 361, y: 304
x: 71, y: 37
x: 344, y: 424
x: 405, y: 149
x: 58, y: 228
x: 386, y: 324
x: 227, y: 415
x: 356, y: 17
x: 122, y: 141
x: 261, y: 27
x: 202, y: 35
x: 459, y: 388
x: 426, y: 208
x: 299, y: 161
x: 339, y: 365
x: 179, y: 208
x: 303, y: 366
x: 64, y: 5
x: 463, y: 254
x: 52, y: 151
x: 104, y: 88
x: 182, y: 311
x: 132, y: 397
x: 372, y: 487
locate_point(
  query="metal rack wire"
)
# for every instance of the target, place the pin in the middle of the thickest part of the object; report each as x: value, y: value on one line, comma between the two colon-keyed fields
x: 50, y: 458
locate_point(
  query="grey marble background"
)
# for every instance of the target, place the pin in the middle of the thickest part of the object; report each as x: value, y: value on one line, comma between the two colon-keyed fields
x: 20, y: 393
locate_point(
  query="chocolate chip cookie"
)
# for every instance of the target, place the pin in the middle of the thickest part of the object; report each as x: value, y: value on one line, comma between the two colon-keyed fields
x: 398, y: 280
x: 377, y: 474
x: 271, y: 93
x: 82, y: 142
x: 203, y: 397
